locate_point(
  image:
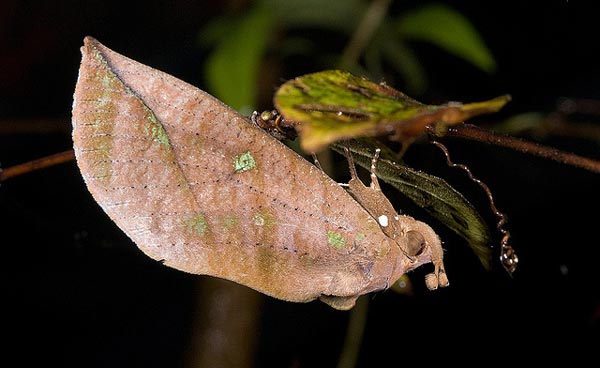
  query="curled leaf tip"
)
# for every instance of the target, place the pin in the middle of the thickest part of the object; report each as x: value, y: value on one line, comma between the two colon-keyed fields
x: 489, y: 106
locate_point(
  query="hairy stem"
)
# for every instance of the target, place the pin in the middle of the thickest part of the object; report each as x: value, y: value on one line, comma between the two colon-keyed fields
x: 41, y: 163
x: 468, y: 131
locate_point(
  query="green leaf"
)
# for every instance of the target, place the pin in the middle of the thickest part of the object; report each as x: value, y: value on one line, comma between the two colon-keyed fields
x: 337, y: 15
x: 449, y: 30
x: 215, y: 31
x: 232, y: 68
x: 431, y: 193
x: 334, y: 105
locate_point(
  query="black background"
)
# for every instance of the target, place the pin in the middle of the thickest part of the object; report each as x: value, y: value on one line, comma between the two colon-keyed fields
x: 78, y: 292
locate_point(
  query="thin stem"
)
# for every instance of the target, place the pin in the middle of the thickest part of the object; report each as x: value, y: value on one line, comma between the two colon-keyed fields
x: 41, y: 163
x: 364, y: 32
x: 355, y: 333
x: 468, y: 131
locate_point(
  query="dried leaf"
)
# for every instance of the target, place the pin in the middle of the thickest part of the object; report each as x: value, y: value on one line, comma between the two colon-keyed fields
x: 334, y: 105
x: 200, y: 188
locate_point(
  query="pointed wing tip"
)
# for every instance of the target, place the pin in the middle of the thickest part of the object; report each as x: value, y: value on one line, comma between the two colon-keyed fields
x: 91, y: 44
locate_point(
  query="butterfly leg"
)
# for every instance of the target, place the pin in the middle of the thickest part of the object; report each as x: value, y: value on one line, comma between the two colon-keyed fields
x: 374, y: 181
x: 316, y: 161
x: 351, y: 166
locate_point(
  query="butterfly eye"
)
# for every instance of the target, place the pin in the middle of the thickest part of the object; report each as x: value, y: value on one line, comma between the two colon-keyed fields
x: 266, y: 116
x: 415, y: 243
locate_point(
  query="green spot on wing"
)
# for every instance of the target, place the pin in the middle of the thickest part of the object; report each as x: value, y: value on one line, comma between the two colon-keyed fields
x: 229, y: 222
x: 336, y: 240
x: 243, y: 162
x: 264, y: 219
x: 196, y: 224
x: 155, y: 129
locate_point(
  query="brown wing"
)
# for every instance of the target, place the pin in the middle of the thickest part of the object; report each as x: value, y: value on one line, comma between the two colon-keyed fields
x: 194, y: 184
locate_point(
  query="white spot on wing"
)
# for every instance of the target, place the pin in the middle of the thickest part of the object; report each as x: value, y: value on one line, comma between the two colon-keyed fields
x: 383, y: 220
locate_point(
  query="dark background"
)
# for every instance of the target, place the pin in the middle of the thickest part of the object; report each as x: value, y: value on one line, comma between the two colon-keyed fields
x: 78, y: 292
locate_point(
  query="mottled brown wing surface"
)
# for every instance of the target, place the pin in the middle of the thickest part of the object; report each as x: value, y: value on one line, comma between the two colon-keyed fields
x: 199, y: 187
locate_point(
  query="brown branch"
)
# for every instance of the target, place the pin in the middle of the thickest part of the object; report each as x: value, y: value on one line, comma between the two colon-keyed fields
x: 468, y: 131
x: 41, y: 163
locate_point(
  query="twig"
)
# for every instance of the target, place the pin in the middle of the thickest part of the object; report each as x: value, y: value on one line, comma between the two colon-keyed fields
x: 41, y: 163
x: 468, y: 131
